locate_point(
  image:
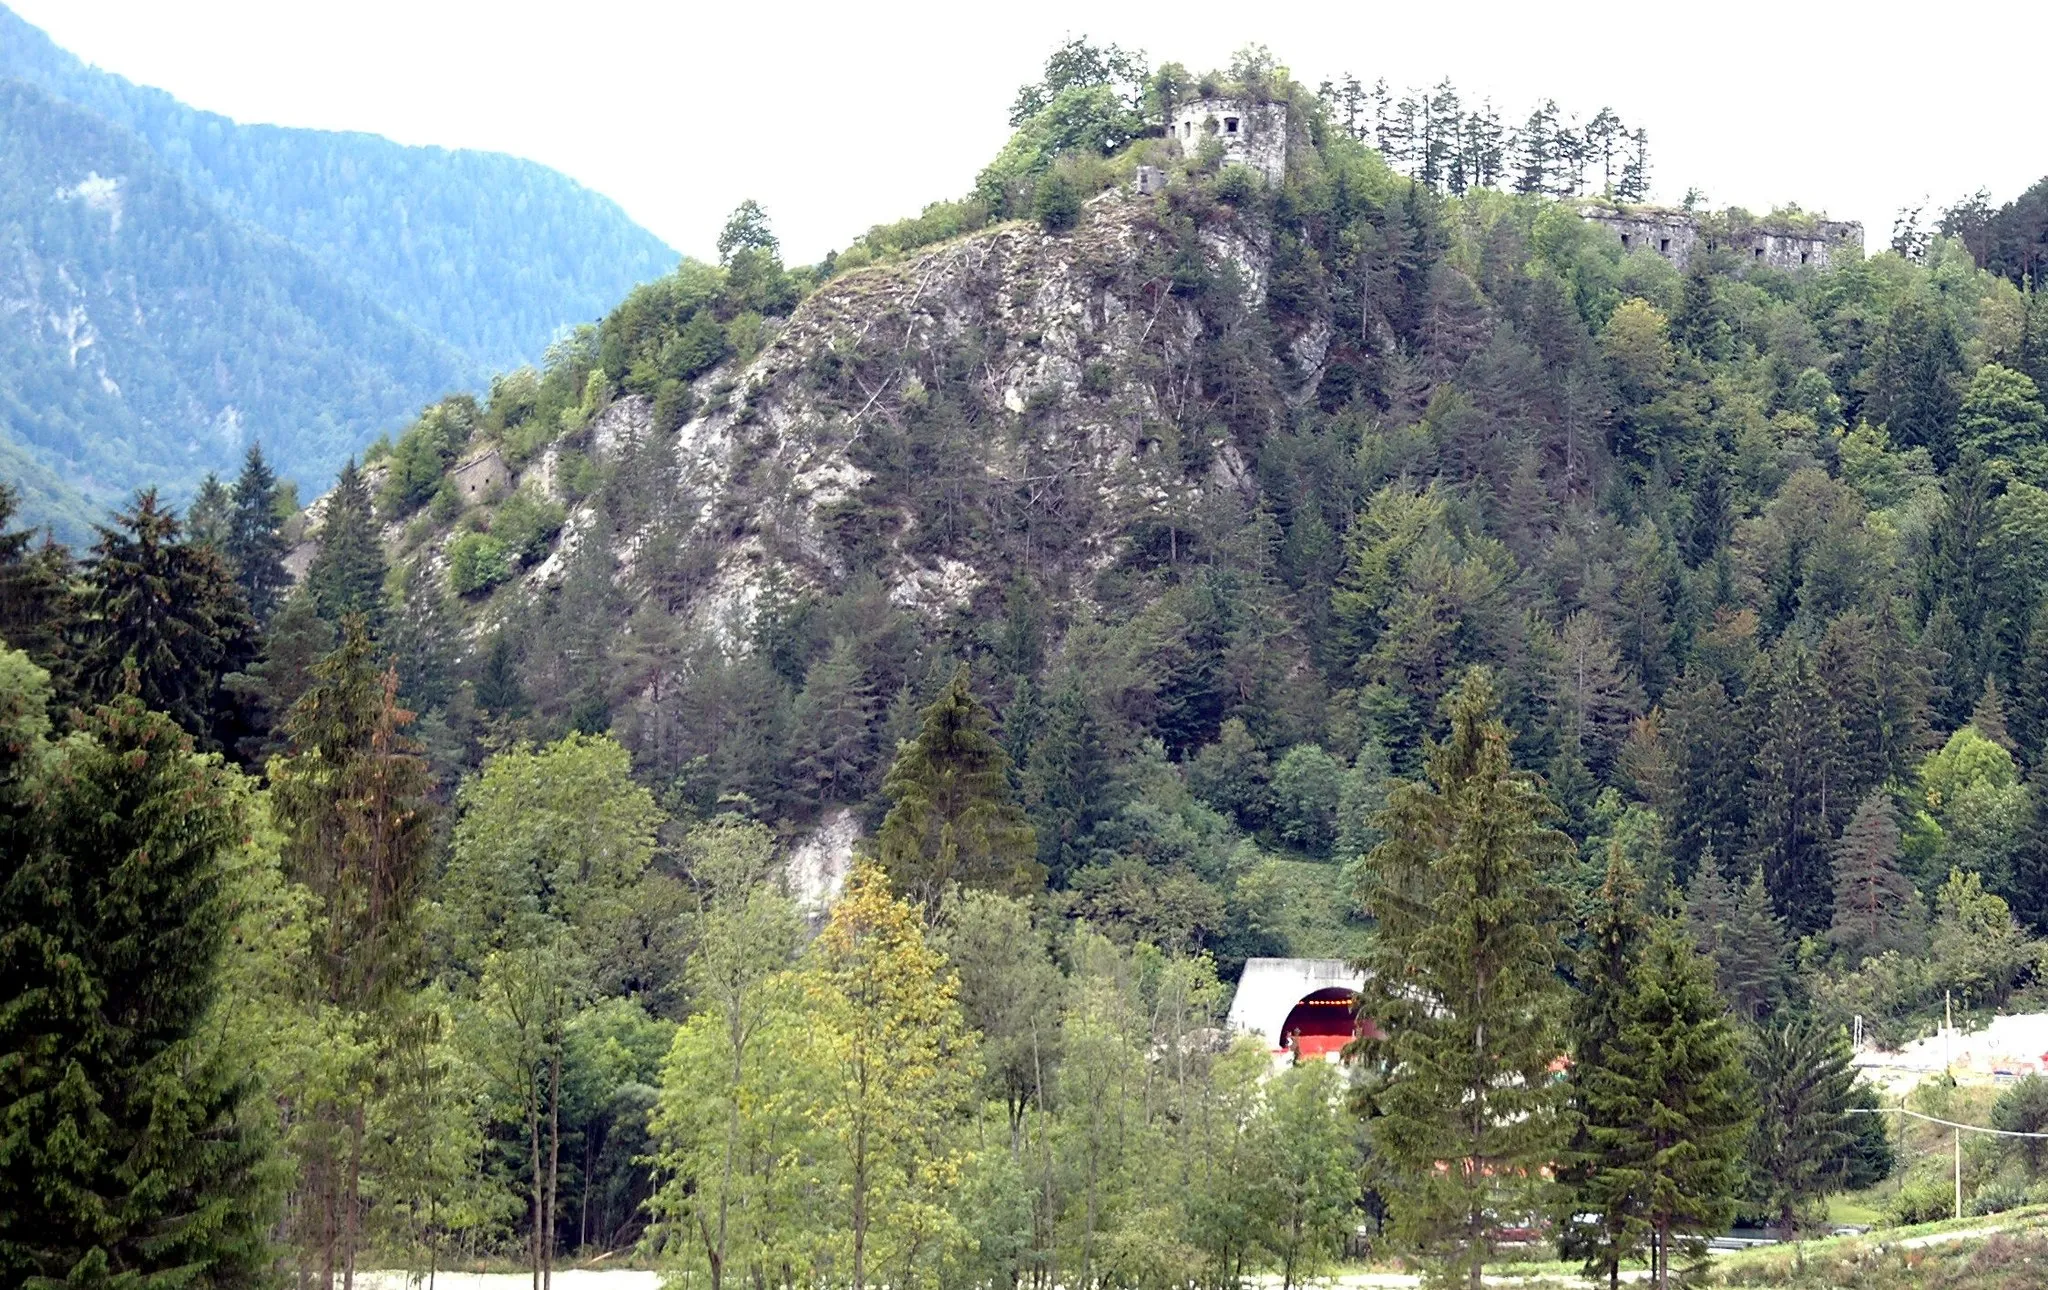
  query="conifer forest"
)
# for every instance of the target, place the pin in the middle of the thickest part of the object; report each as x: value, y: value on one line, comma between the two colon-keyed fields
x: 784, y: 791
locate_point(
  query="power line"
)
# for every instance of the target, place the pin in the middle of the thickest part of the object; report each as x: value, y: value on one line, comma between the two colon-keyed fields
x: 1935, y: 1119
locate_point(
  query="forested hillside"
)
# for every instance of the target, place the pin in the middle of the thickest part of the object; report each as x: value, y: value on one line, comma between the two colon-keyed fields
x: 486, y: 253
x: 183, y: 285
x: 785, y: 784
x: 147, y: 337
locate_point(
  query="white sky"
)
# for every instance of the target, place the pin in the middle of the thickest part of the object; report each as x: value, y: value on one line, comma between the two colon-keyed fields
x: 839, y: 116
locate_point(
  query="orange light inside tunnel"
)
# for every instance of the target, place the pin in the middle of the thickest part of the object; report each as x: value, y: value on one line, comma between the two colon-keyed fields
x: 1322, y: 1023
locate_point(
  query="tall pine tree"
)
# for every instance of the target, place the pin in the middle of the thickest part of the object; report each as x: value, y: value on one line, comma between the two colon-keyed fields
x: 1462, y: 981
x: 1794, y: 792
x: 166, y: 611
x: 1877, y: 908
x: 254, y: 541
x: 952, y: 815
x: 347, y: 573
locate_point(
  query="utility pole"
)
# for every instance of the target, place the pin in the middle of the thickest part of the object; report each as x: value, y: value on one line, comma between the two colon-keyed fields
x: 1948, y: 1043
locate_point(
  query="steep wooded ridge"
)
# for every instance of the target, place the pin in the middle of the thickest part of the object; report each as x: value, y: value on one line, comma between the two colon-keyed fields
x: 424, y: 269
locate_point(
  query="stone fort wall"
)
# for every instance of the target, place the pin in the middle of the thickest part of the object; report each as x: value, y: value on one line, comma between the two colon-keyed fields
x: 1679, y: 235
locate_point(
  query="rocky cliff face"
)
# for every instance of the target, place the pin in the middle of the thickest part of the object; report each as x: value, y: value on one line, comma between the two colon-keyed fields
x: 1013, y: 398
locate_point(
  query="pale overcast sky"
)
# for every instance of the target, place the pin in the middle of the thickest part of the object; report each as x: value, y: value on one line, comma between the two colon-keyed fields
x: 837, y: 117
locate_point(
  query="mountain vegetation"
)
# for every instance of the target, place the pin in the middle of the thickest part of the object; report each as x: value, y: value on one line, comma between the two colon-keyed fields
x: 786, y: 782
x: 180, y: 285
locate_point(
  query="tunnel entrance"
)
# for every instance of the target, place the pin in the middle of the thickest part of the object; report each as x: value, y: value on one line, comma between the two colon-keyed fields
x: 1322, y: 1023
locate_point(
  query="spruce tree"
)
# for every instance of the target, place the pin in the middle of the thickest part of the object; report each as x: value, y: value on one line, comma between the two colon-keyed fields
x: 952, y: 816
x: 1659, y: 1092
x: 1601, y: 1220
x: 1877, y: 908
x: 832, y: 735
x: 347, y: 573
x: 1712, y: 761
x: 1989, y: 716
x: 254, y: 542
x: 1462, y: 982
x: 166, y: 612
x: 124, y: 1160
x: 424, y: 643
x: 2027, y: 714
x: 1789, y: 802
x: 2030, y: 861
x: 1804, y: 1086
x: 350, y: 797
x: 1068, y: 787
x: 1752, y: 954
x: 36, y: 605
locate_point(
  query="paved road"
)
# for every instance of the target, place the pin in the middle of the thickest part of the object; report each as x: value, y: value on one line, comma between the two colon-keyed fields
x: 565, y: 1279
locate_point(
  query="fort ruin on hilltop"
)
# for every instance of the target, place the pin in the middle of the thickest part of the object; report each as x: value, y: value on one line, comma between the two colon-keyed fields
x: 1782, y: 241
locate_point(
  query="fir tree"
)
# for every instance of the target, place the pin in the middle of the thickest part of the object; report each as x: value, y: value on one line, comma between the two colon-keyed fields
x: 1712, y: 761
x: 254, y: 541
x: 35, y: 595
x: 1462, y: 981
x: 1877, y: 908
x: 1601, y: 1220
x: 208, y: 518
x: 952, y: 817
x: 1789, y: 798
x: 124, y: 1160
x: 1804, y: 1084
x: 166, y: 612
x: 424, y: 643
x: 1751, y: 955
x: 1068, y: 787
x: 2030, y: 862
x: 347, y: 573
x: 1659, y: 1091
x: 1989, y: 716
x: 831, y: 735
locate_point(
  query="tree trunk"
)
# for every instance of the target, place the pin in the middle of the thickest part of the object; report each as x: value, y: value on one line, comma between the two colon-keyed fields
x: 554, y: 1164
x: 539, y: 1179
x: 352, y: 1201
x: 860, y: 1206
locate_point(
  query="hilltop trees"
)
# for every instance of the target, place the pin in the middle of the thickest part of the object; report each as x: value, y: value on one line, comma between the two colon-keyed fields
x: 1461, y: 979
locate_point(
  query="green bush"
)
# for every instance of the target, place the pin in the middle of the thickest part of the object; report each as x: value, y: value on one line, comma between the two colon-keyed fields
x: 526, y: 523
x: 1057, y: 203
x: 425, y: 451
x: 1237, y: 185
x: 1308, y: 786
x: 477, y: 562
x: 1922, y: 1200
x: 1996, y: 1197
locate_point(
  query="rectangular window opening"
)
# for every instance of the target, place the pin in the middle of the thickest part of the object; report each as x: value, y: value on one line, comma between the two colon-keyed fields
x: 1664, y: 245
x: 1230, y: 125
x: 1624, y: 241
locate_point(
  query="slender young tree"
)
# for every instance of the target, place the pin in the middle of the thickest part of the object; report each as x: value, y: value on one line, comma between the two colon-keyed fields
x: 350, y: 797
x: 1877, y: 908
x: 888, y: 1020
x: 1462, y: 982
x: 952, y: 816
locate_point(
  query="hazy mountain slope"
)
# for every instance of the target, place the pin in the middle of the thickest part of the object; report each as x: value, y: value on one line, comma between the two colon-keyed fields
x: 145, y: 337
x: 488, y: 252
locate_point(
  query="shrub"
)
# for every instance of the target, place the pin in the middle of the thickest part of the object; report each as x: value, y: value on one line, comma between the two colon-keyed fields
x: 1996, y: 1197
x: 477, y: 562
x: 1922, y: 1200
x: 526, y: 523
x: 1231, y: 776
x: 1308, y: 786
x: 1237, y: 185
x: 1057, y: 203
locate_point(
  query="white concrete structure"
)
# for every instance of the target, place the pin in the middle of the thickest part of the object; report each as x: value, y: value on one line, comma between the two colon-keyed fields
x: 1252, y: 134
x: 1271, y: 988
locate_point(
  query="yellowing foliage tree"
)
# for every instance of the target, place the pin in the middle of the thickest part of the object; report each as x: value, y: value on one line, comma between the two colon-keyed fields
x: 901, y: 1065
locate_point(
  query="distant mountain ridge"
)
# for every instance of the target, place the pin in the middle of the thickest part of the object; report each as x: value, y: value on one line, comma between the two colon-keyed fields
x: 324, y: 284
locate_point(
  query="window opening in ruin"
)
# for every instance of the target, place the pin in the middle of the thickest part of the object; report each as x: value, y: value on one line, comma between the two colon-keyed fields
x: 1664, y: 245
x: 1802, y: 257
x: 1230, y: 125
x: 1624, y: 241
x: 1759, y: 253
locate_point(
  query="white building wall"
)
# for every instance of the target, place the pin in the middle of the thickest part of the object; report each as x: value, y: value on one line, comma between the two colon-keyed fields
x: 1259, y: 141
